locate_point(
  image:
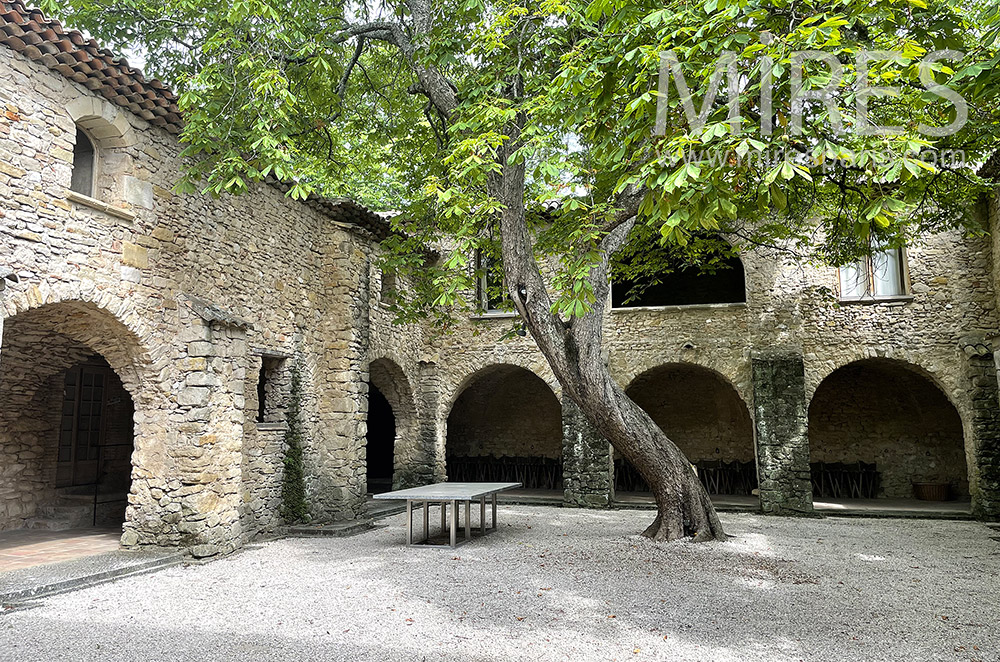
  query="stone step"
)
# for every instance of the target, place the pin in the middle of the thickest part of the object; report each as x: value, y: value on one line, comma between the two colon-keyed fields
x: 335, y: 529
x: 67, y: 495
x: 379, y: 509
x: 50, y: 524
x: 65, y: 511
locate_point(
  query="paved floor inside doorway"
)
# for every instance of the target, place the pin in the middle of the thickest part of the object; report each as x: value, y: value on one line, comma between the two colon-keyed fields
x: 26, y: 548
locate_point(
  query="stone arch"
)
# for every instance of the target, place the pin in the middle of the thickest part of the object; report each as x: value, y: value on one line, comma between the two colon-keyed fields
x: 735, y: 373
x: 942, y: 368
x: 472, y: 369
x: 505, y: 424
x: 44, y: 336
x: 103, y: 121
x: 702, y: 412
x: 878, y: 426
x: 85, y: 293
x: 387, y: 381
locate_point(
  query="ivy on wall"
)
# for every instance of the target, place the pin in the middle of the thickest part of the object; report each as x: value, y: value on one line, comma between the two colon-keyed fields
x: 293, y: 487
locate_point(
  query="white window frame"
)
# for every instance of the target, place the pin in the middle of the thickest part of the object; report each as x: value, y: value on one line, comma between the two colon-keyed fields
x: 861, y: 280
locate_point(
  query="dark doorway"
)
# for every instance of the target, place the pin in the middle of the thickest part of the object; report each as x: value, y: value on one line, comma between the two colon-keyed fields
x: 95, y: 439
x: 380, y: 438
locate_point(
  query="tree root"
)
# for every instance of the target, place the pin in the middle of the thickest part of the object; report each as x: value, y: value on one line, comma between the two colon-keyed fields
x: 705, y: 523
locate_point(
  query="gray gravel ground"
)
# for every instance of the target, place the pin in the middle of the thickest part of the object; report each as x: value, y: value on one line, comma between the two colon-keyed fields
x: 553, y: 584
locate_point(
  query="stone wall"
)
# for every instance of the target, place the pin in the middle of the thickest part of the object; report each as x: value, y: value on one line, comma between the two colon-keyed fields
x: 698, y: 411
x: 279, y: 277
x: 793, y: 314
x: 884, y: 414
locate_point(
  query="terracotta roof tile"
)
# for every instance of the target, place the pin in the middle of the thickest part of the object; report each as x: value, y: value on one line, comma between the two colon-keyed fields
x: 344, y: 210
x: 71, y: 54
x: 82, y: 60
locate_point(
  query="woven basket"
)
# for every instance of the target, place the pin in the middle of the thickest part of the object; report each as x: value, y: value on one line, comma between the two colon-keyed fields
x: 931, y: 491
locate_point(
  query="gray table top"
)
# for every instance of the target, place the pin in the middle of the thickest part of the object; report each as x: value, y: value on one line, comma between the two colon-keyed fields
x: 448, y: 491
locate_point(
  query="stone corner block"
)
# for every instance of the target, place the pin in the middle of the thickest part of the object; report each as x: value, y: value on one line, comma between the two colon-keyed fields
x: 205, y: 551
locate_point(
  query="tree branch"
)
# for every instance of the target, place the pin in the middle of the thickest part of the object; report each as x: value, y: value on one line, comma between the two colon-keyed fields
x: 342, y: 86
x: 587, y: 331
x: 626, y: 209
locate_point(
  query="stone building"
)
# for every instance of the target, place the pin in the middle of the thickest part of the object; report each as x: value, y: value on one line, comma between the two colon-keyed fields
x: 147, y: 338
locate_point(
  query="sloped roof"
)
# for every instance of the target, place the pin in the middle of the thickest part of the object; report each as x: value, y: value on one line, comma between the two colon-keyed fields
x: 345, y: 210
x: 83, y: 60
x: 991, y: 169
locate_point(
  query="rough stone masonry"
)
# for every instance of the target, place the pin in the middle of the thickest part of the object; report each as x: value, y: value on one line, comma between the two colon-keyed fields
x: 200, y: 306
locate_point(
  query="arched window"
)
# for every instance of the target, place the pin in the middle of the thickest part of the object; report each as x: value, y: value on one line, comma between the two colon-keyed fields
x: 707, y: 271
x: 84, y: 164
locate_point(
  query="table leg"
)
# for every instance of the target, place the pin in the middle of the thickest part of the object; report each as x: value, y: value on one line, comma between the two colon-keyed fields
x: 482, y: 515
x: 409, y: 522
x: 444, y: 517
x: 494, y: 511
x: 427, y: 508
x: 468, y: 519
x: 454, y: 520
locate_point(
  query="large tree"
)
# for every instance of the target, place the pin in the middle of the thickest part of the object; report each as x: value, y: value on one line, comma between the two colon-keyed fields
x: 528, y: 130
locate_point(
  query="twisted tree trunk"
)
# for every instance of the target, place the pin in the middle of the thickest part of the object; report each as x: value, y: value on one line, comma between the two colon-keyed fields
x: 574, y: 349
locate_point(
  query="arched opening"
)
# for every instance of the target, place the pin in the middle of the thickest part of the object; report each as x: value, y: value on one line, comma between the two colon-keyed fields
x: 706, y: 418
x: 706, y: 271
x: 882, y: 429
x: 394, y: 457
x: 66, y: 419
x: 84, y: 164
x: 506, y: 426
x: 380, y: 439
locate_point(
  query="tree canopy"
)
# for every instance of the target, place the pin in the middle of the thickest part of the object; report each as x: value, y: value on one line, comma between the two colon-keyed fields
x: 336, y: 97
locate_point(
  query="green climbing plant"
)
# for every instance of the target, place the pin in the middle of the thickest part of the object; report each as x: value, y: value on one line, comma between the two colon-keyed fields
x: 294, y: 507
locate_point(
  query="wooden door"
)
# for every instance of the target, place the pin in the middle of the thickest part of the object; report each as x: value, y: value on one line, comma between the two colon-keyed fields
x: 82, y: 424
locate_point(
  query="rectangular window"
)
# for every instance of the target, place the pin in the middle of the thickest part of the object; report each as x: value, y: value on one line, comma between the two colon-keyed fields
x: 880, y: 275
x: 387, y: 291
x: 490, y: 290
x: 270, y: 390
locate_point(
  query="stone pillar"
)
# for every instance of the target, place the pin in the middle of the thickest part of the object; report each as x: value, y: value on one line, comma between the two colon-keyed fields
x: 335, y: 455
x: 204, y: 493
x: 781, y: 420
x: 984, y: 461
x: 587, y: 457
x: 431, y: 463
x: 335, y: 460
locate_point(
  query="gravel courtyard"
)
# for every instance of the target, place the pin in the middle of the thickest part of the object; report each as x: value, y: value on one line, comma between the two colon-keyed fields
x: 552, y: 584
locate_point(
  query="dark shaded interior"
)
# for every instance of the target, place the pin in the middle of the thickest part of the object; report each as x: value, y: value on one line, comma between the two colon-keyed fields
x: 380, y: 438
